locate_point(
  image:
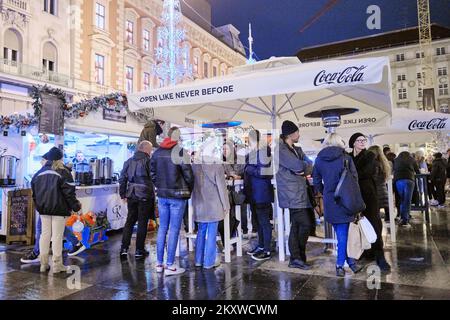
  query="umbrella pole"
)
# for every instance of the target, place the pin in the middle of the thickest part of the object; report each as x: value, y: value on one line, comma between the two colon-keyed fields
x: 278, y: 216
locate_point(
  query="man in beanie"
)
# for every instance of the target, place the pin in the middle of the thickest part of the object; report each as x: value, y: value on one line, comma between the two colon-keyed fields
x: 55, y: 199
x: 293, y: 167
x: 366, y: 167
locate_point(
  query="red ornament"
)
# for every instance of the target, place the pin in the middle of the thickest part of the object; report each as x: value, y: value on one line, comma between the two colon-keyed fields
x: 82, y: 114
x: 111, y: 102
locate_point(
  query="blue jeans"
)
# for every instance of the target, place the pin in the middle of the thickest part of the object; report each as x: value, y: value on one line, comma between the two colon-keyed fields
x: 205, y: 245
x: 405, y: 188
x: 170, y: 217
x: 341, y: 230
x: 68, y: 234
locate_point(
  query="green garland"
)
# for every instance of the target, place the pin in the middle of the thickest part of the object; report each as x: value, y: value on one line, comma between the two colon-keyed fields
x: 36, y: 92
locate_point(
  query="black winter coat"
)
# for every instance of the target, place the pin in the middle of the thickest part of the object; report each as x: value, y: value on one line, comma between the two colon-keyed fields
x: 135, y: 180
x: 405, y: 169
x: 380, y: 181
x: 439, y: 170
x: 172, y: 178
x: 365, y: 164
x: 54, y: 192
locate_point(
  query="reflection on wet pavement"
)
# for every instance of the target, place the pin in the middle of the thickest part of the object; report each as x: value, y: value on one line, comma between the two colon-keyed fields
x: 420, y: 261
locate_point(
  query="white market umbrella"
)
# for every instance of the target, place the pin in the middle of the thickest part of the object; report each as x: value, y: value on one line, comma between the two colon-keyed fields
x: 264, y: 97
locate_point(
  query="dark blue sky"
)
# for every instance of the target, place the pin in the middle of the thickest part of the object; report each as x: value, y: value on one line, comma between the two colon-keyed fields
x: 276, y: 23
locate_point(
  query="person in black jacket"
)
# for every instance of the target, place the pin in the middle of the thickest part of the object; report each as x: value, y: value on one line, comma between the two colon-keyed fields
x: 405, y: 169
x: 137, y: 188
x: 366, y: 166
x: 439, y: 177
x: 174, y: 181
x: 54, y: 197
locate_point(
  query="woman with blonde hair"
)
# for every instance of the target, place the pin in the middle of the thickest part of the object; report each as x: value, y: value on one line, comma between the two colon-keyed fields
x: 382, y: 174
x: 326, y: 174
x: 55, y: 199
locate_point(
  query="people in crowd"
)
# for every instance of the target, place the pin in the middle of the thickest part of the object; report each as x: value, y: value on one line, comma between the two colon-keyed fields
x: 210, y: 203
x: 421, y: 163
x: 136, y: 188
x: 234, y: 166
x: 54, y: 198
x: 293, y: 167
x: 386, y: 150
x: 259, y: 192
x: 382, y: 174
x: 326, y: 175
x: 173, y: 179
x: 151, y: 130
x: 439, y: 177
x: 448, y: 166
x: 80, y: 163
x: 405, y: 169
x: 366, y: 167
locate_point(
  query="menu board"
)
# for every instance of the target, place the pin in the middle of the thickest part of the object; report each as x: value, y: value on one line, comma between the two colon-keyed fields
x: 51, y: 119
x: 20, y: 212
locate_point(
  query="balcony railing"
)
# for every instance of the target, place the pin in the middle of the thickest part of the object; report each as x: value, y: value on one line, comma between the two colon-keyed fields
x: 30, y: 72
x: 21, y: 5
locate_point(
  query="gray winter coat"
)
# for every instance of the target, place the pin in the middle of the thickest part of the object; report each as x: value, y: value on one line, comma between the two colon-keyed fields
x: 210, y: 196
x: 291, y: 187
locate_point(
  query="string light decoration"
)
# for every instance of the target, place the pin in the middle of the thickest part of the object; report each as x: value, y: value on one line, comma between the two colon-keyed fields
x: 172, y: 57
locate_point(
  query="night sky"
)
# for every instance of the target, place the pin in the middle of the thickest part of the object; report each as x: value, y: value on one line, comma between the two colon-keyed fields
x: 276, y: 23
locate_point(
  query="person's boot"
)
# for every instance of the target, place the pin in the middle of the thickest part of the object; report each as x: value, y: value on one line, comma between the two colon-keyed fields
x: 44, y: 262
x: 340, y: 272
x: 382, y: 263
x: 58, y: 265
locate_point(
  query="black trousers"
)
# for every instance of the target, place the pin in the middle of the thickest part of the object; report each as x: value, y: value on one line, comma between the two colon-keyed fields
x: 440, y: 191
x: 300, y: 230
x: 244, y: 220
x: 140, y: 212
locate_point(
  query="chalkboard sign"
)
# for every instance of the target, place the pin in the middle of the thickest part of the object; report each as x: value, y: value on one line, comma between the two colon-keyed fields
x: 51, y: 119
x: 20, y: 212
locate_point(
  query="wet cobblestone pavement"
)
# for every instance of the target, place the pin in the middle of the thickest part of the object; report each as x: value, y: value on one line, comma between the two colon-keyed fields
x: 420, y: 270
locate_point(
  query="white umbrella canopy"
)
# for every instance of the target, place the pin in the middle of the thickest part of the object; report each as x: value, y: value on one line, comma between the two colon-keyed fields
x: 263, y: 98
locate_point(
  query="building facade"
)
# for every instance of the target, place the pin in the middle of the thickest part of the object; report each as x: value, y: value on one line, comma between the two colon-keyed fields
x: 403, y: 50
x: 93, y: 47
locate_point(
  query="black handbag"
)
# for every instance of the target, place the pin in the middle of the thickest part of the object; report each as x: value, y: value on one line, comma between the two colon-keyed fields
x: 348, y: 193
x: 236, y: 197
x: 310, y: 190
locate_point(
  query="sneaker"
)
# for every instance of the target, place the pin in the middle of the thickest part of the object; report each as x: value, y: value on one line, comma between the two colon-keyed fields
x: 255, y: 251
x: 79, y: 248
x: 299, y: 264
x: 216, y: 264
x: 383, y: 264
x: 30, y: 257
x: 245, y: 236
x: 141, y: 253
x: 340, y: 272
x: 434, y: 202
x: 159, y: 268
x: 356, y: 267
x: 198, y: 265
x: 441, y: 206
x: 261, y: 256
x: 173, y: 270
x: 404, y: 223
x: 59, y: 268
x: 123, y: 253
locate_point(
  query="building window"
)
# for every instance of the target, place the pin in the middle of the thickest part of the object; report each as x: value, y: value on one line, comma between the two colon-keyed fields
x: 419, y: 92
x: 443, y: 89
x: 205, y: 69
x: 99, y: 16
x: 196, y: 65
x: 99, y: 69
x: 214, y: 71
x: 420, y: 75
x: 12, y: 47
x: 440, y: 51
x: 401, y: 57
x: 402, y: 95
x: 129, y: 32
x: 50, y: 6
x: 10, y: 54
x: 443, y: 108
x: 420, y: 54
x: 442, y: 71
x: 48, y: 65
x: 401, y: 77
x: 49, y: 56
x: 129, y: 79
x: 146, y: 40
x: 146, y: 81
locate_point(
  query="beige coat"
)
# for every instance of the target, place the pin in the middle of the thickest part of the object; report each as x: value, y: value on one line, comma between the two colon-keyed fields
x: 210, y: 196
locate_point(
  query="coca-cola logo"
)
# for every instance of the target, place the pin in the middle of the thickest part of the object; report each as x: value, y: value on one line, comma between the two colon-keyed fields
x: 349, y: 74
x: 433, y: 124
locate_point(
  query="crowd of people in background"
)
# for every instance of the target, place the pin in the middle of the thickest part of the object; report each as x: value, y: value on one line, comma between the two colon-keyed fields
x: 168, y: 175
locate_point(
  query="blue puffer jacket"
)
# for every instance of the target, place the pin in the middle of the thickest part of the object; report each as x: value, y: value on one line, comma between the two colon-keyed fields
x: 258, y: 187
x: 326, y: 174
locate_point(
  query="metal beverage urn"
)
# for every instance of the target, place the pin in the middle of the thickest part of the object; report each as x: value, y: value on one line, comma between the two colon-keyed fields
x: 97, y: 171
x: 8, y: 167
x: 108, y: 166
